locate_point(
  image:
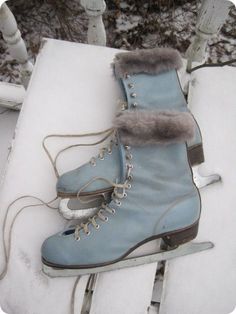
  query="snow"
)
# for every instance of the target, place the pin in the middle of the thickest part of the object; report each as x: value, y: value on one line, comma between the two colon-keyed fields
x: 208, y: 279
x: 8, y: 121
x: 212, y: 93
x: 55, y: 104
x: 175, y: 29
x: 233, y: 1
x: 2, y: 1
x: 125, y: 23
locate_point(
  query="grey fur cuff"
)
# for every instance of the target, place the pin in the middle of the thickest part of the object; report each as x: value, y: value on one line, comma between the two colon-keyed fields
x: 143, y: 127
x: 151, y: 61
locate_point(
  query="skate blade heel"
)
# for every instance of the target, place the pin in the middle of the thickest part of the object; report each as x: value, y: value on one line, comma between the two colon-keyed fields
x: 180, y: 237
x: 202, y: 181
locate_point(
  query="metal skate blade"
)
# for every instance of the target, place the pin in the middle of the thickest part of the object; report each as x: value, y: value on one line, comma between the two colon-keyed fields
x: 69, y: 213
x: 202, y: 181
x: 185, y: 249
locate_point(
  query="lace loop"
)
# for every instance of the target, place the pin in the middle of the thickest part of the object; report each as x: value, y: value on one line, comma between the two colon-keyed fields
x: 104, y: 150
x: 107, y: 133
x: 116, y: 197
x: 117, y: 194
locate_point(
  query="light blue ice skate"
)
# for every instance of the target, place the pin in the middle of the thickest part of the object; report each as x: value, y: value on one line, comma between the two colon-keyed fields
x: 154, y: 197
x: 153, y: 85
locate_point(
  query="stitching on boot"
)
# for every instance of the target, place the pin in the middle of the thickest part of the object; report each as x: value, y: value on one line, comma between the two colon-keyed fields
x: 145, y: 127
x: 150, y: 61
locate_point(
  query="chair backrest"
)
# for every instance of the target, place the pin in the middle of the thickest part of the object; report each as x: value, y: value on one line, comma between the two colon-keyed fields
x: 211, y: 17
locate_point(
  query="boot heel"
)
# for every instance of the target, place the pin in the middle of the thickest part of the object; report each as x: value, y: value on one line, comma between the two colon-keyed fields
x: 181, y: 237
x: 196, y: 155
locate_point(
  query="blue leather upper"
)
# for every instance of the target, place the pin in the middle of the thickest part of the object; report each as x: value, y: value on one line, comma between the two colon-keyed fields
x: 161, y: 92
x: 162, y: 198
x: 74, y: 180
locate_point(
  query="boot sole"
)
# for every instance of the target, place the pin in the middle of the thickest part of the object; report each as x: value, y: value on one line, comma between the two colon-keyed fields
x: 172, y: 239
x: 162, y: 255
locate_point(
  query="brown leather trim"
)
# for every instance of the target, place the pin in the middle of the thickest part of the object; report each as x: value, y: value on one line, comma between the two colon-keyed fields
x: 93, y: 193
x: 196, y: 154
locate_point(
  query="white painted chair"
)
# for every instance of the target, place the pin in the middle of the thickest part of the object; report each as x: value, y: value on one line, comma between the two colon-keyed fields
x: 53, y: 105
x: 12, y: 95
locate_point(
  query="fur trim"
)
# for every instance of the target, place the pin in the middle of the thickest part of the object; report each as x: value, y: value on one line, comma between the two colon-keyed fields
x: 151, y: 61
x: 143, y: 127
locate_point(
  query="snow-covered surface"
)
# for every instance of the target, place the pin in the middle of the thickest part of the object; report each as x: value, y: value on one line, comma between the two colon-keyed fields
x: 234, y: 311
x: 11, y: 95
x: 8, y: 120
x: 2, y: 1
x: 206, y: 282
x: 84, y: 103
x: 55, y: 104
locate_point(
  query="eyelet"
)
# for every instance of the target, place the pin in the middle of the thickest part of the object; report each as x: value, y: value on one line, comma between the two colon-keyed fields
x: 101, y: 158
x: 134, y: 105
x: 125, y: 194
x: 97, y: 227
x: 133, y: 95
x: 93, y: 162
x: 129, y: 156
x: 88, y: 233
x: 127, y: 147
x: 110, y: 152
x: 113, y: 211
x: 123, y: 107
x: 106, y: 219
x: 129, y: 186
x: 118, y: 203
x: 130, y: 177
x: 131, y: 85
x: 127, y: 76
x: 77, y: 239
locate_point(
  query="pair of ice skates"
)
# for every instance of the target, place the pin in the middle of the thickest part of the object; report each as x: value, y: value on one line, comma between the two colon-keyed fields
x: 140, y: 187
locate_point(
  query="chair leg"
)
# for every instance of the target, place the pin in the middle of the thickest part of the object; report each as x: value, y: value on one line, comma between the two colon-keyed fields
x: 212, y: 16
x: 15, y: 43
x: 96, y: 30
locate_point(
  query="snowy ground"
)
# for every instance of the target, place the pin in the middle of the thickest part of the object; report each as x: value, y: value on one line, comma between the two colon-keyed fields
x: 130, y: 24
